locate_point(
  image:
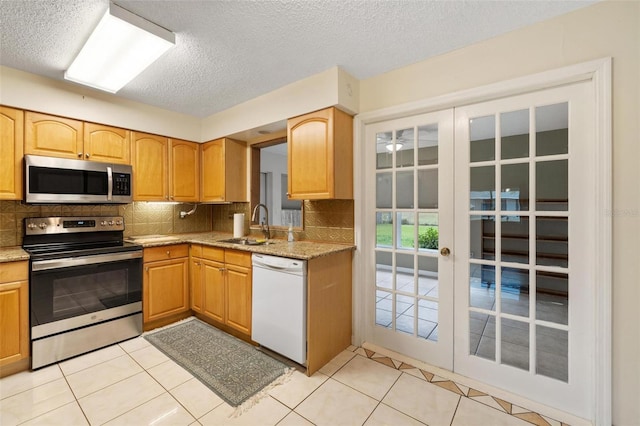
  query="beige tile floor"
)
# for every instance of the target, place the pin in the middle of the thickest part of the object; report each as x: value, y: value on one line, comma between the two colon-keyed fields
x: 132, y: 383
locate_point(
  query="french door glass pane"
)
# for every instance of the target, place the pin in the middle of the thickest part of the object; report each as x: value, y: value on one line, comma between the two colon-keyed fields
x: 428, y: 145
x: 514, y: 291
x: 428, y: 276
x: 404, y: 190
x: 552, y: 297
x: 384, y: 277
x: 406, y: 230
x: 482, y: 133
x: 428, y: 189
x: 384, y: 307
x: 514, y: 129
x: 384, y: 229
x: 552, y: 241
x: 482, y: 335
x: 515, y: 343
x: 482, y: 287
x: 384, y: 156
x: 552, y: 185
x: 383, y: 190
x: 405, y: 307
x: 428, y: 320
x: 552, y: 353
x: 428, y: 231
x: 404, y: 148
x: 514, y: 191
x: 482, y: 237
x: 483, y: 188
x: 515, y: 239
x: 552, y: 129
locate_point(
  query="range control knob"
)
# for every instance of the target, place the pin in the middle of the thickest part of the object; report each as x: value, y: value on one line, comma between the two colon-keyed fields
x: 32, y: 225
x: 103, y: 223
x: 43, y: 225
x: 111, y: 223
x: 118, y: 222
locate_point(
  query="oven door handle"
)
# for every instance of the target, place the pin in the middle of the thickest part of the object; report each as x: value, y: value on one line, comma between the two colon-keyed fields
x: 44, y: 265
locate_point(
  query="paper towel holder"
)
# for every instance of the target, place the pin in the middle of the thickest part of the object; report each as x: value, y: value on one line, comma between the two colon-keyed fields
x: 189, y: 213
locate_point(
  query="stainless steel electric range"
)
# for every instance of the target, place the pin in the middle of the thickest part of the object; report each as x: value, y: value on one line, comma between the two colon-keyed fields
x: 85, y: 285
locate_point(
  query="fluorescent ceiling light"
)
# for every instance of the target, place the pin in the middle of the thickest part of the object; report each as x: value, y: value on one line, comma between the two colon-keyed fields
x: 121, y: 47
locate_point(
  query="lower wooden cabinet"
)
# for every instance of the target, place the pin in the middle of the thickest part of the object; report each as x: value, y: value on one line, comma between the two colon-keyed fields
x: 14, y: 317
x: 165, y: 294
x: 221, y: 285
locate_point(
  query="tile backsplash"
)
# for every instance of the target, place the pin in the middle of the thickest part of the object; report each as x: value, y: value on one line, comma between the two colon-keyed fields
x: 324, y: 220
x: 140, y: 218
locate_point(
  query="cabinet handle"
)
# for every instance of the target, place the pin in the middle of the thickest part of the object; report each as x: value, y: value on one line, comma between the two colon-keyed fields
x: 198, y: 264
x: 168, y: 253
x: 79, y: 155
x: 87, y: 155
x: 222, y: 269
x: 146, y: 268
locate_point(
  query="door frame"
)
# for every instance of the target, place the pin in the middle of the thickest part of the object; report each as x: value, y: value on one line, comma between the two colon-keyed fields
x: 598, y: 73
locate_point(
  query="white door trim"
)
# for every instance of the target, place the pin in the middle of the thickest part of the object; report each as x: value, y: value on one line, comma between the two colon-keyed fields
x: 598, y: 72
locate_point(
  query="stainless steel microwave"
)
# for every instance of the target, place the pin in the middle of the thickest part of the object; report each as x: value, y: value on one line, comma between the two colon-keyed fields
x: 61, y: 181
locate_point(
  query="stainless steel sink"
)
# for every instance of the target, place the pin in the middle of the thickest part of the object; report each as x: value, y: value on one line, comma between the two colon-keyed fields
x: 246, y: 241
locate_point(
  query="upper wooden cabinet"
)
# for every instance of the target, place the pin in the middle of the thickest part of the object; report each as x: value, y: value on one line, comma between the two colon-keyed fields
x: 320, y: 155
x: 184, y: 173
x: 165, y: 169
x: 63, y: 137
x: 224, y: 170
x: 150, y: 167
x: 11, y: 147
x: 107, y: 144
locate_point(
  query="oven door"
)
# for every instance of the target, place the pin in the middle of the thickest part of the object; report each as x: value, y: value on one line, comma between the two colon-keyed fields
x: 70, y: 293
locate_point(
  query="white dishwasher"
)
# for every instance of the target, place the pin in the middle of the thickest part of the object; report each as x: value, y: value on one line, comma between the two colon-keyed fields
x: 279, y: 305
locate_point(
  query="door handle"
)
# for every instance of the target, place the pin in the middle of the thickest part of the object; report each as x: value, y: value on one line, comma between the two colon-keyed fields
x: 444, y: 251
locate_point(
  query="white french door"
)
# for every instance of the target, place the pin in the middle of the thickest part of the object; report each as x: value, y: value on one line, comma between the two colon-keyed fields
x: 410, y: 205
x: 523, y: 278
x: 504, y: 186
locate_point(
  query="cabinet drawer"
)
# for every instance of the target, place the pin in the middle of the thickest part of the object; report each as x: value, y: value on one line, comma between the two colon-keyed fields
x: 239, y: 258
x: 14, y: 271
x: 195, y: 250
x: 213, y: 253
x: 166, y: 252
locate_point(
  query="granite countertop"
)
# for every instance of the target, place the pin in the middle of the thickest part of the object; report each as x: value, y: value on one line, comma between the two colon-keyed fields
x: 303, y: 250
x: 13, y: 254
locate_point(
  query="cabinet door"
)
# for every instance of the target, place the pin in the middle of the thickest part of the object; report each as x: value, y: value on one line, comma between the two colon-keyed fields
x: 185, y: 171
x: 14, y: 324
x: 239, y: 298
x: 213, y: 178
x: 53, y: 136
x: 224, y: 170
x: 214, y: 290
x: 165, y: 288
x: 150, y: 167
x: 11, y: 147
x: 195, y: 284
x: 310, y: 155
x: 320, y: 155
x: 107, y: 144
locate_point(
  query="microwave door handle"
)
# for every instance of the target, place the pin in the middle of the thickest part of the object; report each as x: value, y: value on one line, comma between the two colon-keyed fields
x: 109, y: 183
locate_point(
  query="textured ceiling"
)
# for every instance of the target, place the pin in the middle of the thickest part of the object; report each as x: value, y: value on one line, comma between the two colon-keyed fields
x: 231, y: 51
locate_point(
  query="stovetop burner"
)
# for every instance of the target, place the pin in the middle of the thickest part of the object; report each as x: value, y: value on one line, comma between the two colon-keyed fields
x: 61, y: 237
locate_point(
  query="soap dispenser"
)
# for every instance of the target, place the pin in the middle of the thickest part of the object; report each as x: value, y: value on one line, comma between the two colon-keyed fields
x: 290, y: 234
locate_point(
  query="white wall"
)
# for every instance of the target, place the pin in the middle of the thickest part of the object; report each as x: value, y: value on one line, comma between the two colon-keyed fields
x: 610, y: 28
x: 31, y: 92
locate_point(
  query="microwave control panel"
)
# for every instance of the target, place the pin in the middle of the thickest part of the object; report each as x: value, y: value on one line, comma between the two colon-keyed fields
x: 121, y: 184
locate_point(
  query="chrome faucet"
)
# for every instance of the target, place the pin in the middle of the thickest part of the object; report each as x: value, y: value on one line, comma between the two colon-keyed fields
x: 254, y: 218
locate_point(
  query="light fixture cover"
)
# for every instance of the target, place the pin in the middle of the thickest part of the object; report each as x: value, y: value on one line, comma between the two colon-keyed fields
x: 390, y: 146
x: 120, y: 47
